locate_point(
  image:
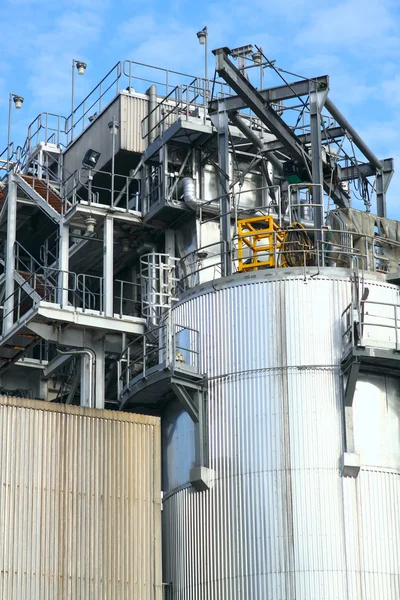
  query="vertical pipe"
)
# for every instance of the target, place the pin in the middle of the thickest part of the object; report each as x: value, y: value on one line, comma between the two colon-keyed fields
x: 10, y: 253
x: 72, y: 99
x: 108, y: 266
x: 152, y: 114
x: 206, y: 73
x: 113, y: 133
x: 9, y: 131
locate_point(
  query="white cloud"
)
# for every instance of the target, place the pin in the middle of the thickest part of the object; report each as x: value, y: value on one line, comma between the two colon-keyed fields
x: 353, y: 25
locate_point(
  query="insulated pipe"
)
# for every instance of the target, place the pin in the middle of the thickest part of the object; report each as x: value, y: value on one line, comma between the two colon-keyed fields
x: 188, y: 189
x: 92, y: 366
x: 361, y: 145
x: 254, y: 139
x: 152, y: 94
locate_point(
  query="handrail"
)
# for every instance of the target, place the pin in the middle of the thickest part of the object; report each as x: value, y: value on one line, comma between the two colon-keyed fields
x: 363, y: 320
x: 159, y: 345
x: 324, y: 251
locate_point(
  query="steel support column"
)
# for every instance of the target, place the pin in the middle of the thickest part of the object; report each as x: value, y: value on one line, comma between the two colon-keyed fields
x: 225, y: 205
x: 98, y: 348
x: 316, y: 162
x: 8, y: 312
x: 63, y: 264
x: 108, y: 267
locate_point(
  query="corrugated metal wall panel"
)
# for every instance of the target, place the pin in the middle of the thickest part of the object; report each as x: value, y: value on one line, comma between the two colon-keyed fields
x: 133, y: 110
x: 280, y: 521
x: 79, y: 503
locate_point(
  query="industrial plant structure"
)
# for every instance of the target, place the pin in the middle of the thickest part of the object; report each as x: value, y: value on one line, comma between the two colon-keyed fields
x: 189, y: 248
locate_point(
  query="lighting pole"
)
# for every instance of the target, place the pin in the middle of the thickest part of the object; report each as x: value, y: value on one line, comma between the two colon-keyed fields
x: 113, y: 127
x: 203, y: 40
x: 18, y: 100
x: 80, y: 67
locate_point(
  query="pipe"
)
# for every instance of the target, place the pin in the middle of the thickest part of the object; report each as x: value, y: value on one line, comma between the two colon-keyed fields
x: 188, y: 189
x: 254, y: 139
x: 361, y: 145
x: 152, y: 94
x: 92, y: 366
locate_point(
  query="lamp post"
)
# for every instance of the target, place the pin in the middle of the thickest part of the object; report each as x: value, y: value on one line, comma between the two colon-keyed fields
x: 113, y: 127
x: 18, y: 100
x: 203, y: 40
x: 80, y: 67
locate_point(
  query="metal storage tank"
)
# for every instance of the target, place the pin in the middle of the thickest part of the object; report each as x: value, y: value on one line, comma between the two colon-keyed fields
x: 79, y: 503
x: 281, y: 522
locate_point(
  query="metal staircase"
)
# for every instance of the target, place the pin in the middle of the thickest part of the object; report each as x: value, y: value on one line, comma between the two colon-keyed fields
x: 42, y: 194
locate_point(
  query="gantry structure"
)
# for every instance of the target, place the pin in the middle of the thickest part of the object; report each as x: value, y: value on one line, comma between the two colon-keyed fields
x: 157, y: 183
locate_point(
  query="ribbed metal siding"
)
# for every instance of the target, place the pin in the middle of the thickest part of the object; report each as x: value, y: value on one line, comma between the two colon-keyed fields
x: 275, y: 524
x: 79, y: 503
x: 133, y: 110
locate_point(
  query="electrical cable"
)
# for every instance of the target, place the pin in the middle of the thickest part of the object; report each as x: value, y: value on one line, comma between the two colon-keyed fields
x: 296, y: 248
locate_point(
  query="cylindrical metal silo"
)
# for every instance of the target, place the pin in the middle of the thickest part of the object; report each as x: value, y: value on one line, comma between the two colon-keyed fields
x: 280, y: 522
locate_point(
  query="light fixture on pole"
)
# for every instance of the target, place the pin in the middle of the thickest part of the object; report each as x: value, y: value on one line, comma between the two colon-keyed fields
x: 81, y: 68
x: 90, y: 223
x: 125, y: 245
x: 114, y: 128
x: 18, y: 100
x: 202, y: 36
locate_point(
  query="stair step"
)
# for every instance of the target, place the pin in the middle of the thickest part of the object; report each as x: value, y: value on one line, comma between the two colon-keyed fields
x: 49, y: 195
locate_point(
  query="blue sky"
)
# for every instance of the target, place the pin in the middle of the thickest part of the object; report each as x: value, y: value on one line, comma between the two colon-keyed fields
x: 356, y: 42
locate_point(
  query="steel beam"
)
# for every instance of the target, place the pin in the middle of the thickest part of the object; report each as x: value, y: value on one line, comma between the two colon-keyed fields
x: 252, y: 98
x: 225, y: 206
x: 326, y: 135
x: 255, y: 140
x: 276, y: 94
x: 316, y: 160
x: 361, y: 145
x: 108, y: 267
x: 63, y: 264
x: 8, y: 310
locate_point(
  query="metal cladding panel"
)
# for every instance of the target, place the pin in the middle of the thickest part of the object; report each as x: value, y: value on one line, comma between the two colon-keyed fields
x: 133, y: 110
x: 280, y: 522
x: 79, y: 503
x: 97, y: 137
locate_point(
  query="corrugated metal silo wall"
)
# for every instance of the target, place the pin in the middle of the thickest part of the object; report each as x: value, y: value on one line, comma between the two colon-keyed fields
x: 79, y: 503
x: 280, y: 522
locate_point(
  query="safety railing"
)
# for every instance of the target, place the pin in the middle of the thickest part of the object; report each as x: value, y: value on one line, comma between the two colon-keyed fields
x: 36, y: 287
x: 168, y: 346
x: 159, y: 283
x: 301, y: 205
x: 48, y: 128
x: 90, y: 294
x: 127, y: 298
x: 93, y: 186
x: 300, y: 247
x: 181, y: 102
x: 49, y: 250
x: 128, y: 75
x: 371, y: 323
x: 84, y: 292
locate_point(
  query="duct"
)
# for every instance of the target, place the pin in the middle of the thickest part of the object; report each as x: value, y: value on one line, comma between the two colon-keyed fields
x: 187, y: 187
x: 92, y: 366
x: 361, y: 145
x: 254, y: 139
